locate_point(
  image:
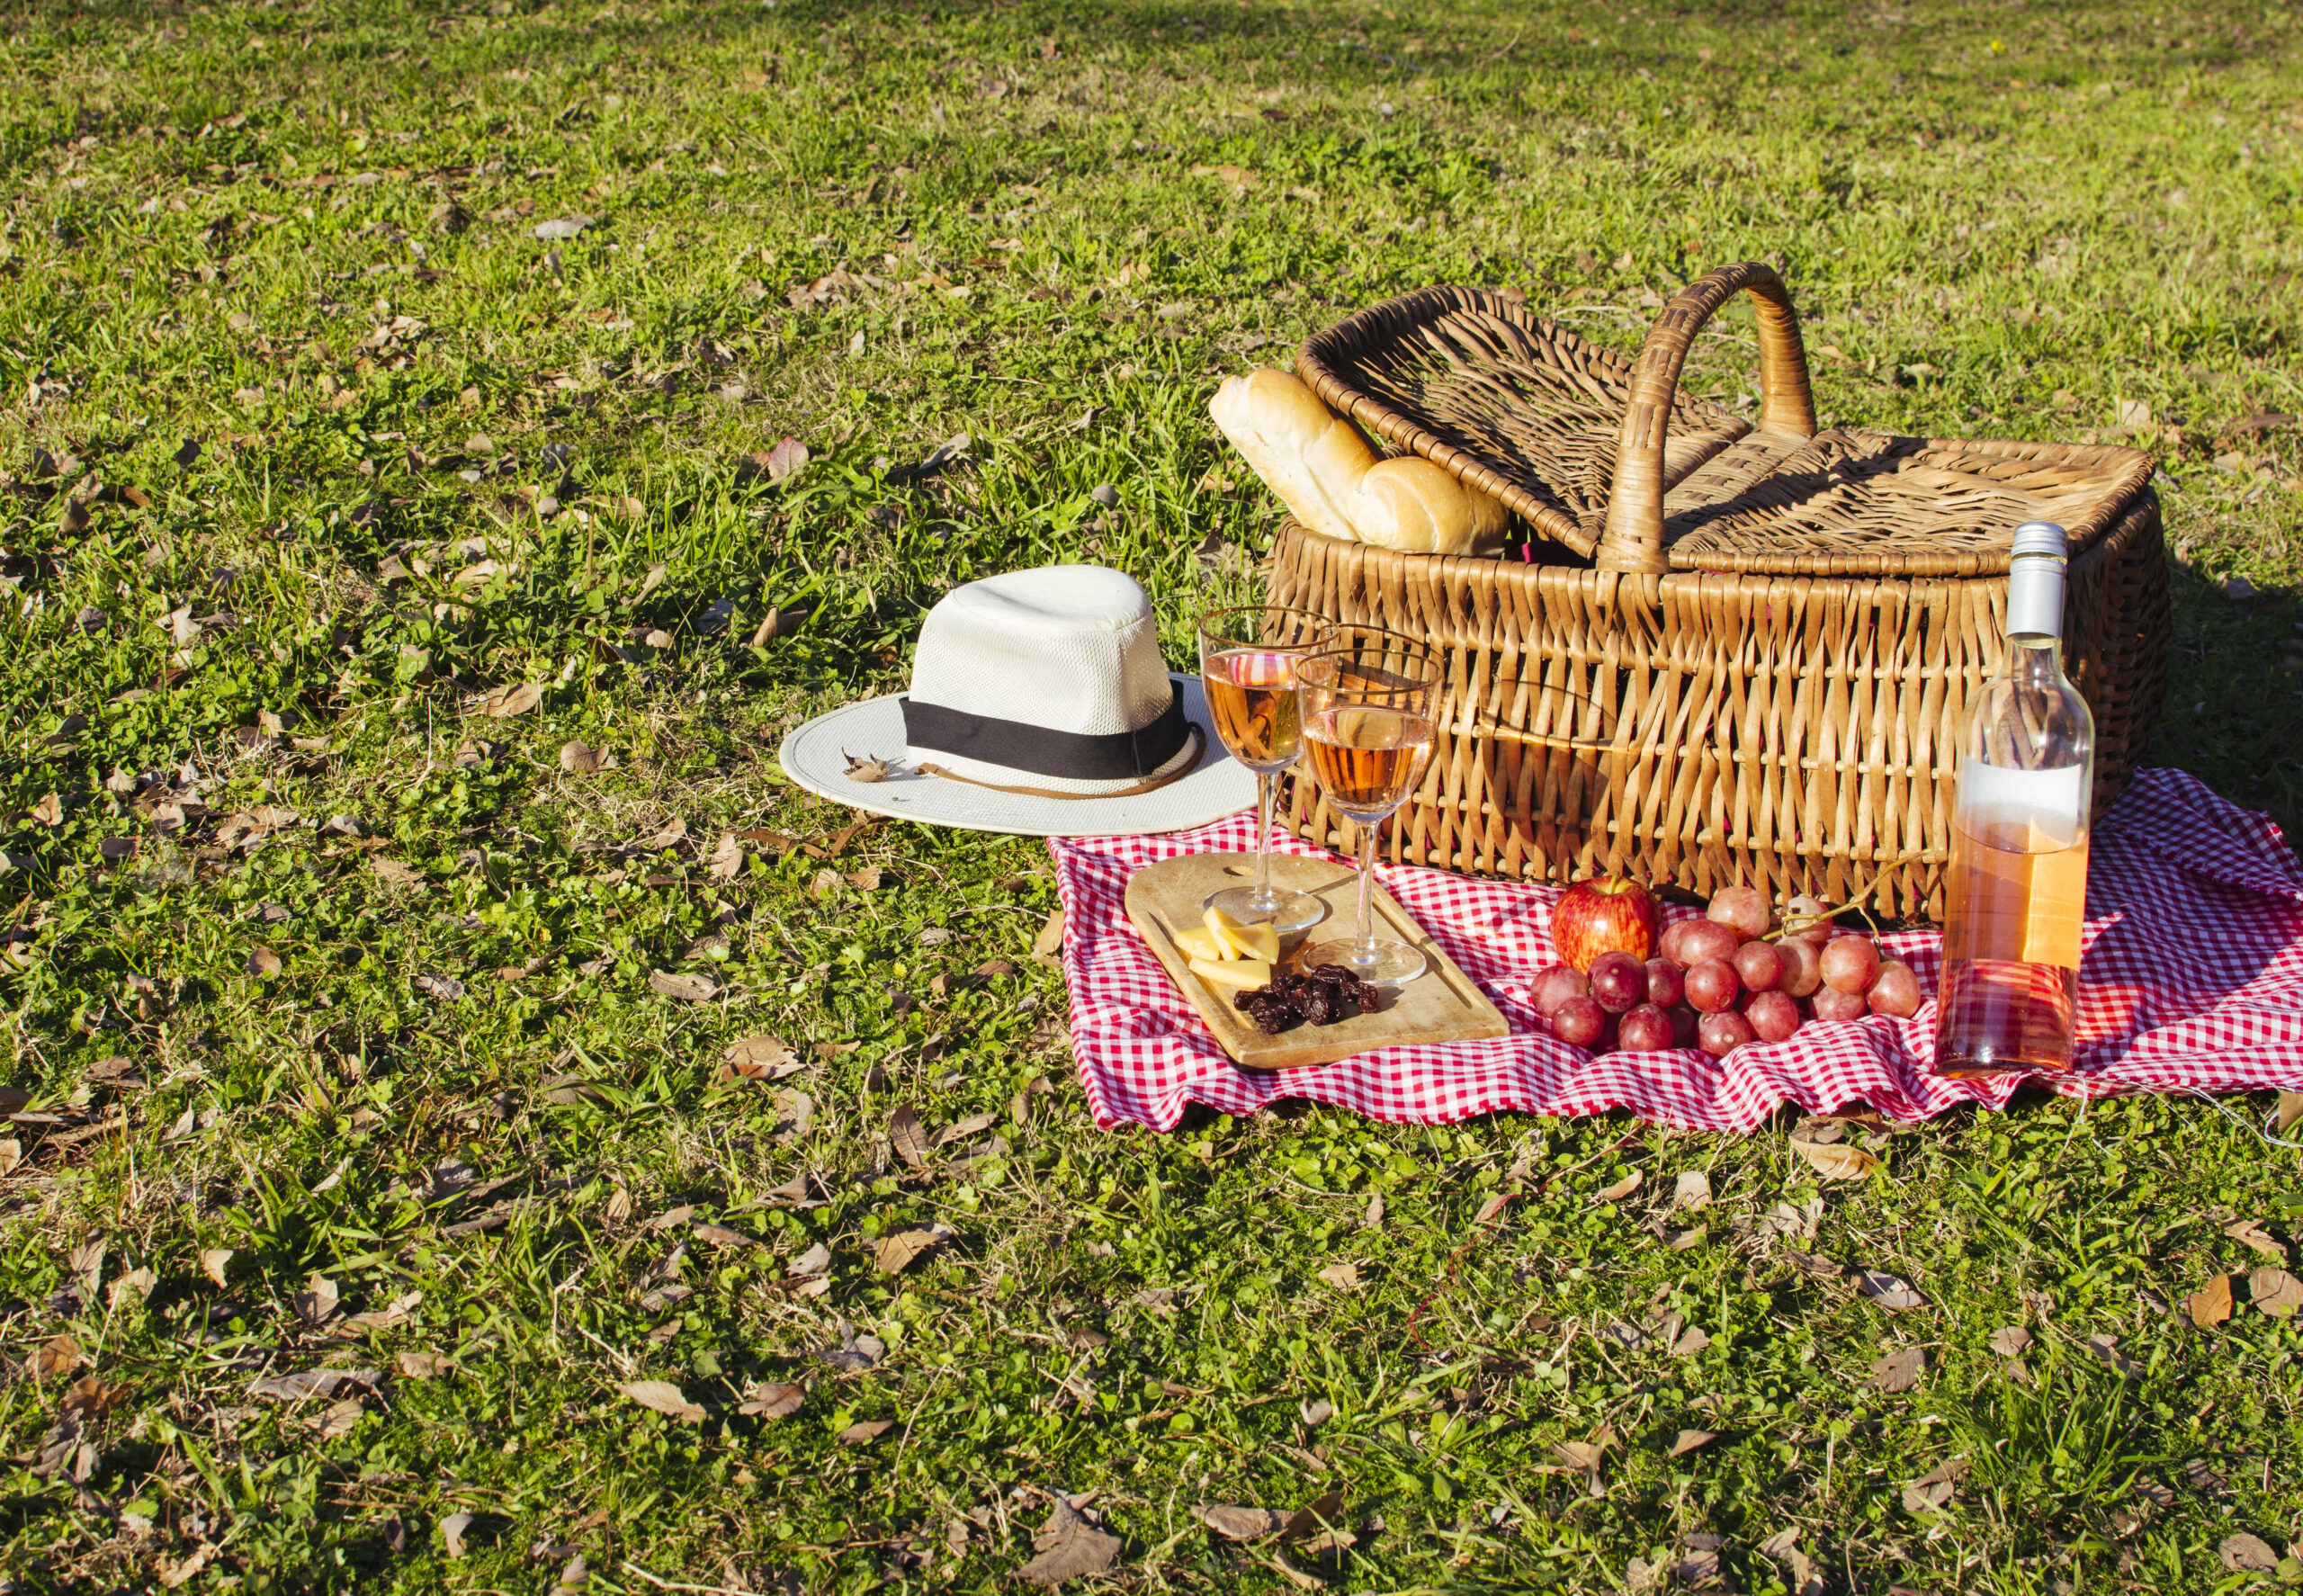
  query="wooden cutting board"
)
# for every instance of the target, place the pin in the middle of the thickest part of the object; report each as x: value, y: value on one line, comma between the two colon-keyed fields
x: 1441, y: 1005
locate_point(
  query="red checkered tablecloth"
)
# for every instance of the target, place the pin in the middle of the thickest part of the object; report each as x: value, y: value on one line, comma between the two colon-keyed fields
x: 2192, y: 978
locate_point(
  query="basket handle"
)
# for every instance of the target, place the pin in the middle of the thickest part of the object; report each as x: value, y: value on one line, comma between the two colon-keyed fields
x: 1633, y: 538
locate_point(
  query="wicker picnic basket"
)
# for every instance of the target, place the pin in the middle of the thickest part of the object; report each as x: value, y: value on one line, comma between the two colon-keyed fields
x: 1736, y: 652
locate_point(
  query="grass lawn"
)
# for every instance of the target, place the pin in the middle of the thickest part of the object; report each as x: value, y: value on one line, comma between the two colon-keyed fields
x: 315, y: 455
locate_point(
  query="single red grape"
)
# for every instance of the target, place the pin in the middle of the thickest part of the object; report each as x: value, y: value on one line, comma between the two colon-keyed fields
x: 1578, y: 1022
x: 1850, y: 963
x: 1711, y: 986
x: 1618, y: 981
x: 1667, y: 946
x: 1665, y: 983
x: 1707, y: 939
x: 1720, y: 1035
x: 1759, y: 967
x: 1896, y: 990
x: 1644, y: 1029
x: 1809, y: 914
x: 1684, y: 1021
x: 1773, y: 1016
x: 1803, y: 966
x: 1743, y: 909
x: 1831, y: 1003
x: 1555, y: 985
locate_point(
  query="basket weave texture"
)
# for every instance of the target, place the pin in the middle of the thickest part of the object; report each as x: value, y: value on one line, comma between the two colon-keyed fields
x: 1761, y: 674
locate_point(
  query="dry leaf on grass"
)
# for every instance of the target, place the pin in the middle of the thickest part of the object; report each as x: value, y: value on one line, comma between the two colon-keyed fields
x: 316, y: 1304
x: 897, y: 1251
x: 815, y: 1260
x: 1343, y: 1276
x: 761, y: 1058
x: 1240, y: 1523
x: 1835, y: 1161
x: 2287, y: 1113
x: 441, y: 988
x: 726, y: 862
x: 2251, y: 1232
x: 2211, y: 1305
x: 176, y: 1574
x: 55, y: 1358
x: 2275, y: 1292
x: 304, y: 1385
x: 262, y: 963
x: 2246, y: 1554
x: 1689, y: 1439
x: 1070, y: 1546
x: 392, y: 873
x: 1891, y: 1292
x: 212, y: 1262
x: 1050, y: 941
x: 720, y: 1235
x: 1692, y: 1190
x: 909, y: 1141
x: 1621, y: 1189
x: 452, y: 1530
x: 1898, y: 1371
x: 866, y: 1432
x: 773, y: 1401
x: 515, y: 698
x: 420, y: 1366
x: 1927, y: 1498
x: 663, y: 1397
x: 2009, y: 1340
x: 580, y: 758
x: 687, y: 989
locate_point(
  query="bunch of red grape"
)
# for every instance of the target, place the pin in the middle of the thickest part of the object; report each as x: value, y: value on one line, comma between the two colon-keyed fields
x: 1718, y: 983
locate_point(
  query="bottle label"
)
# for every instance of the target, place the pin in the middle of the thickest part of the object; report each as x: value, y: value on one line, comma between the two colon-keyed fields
x: 2030, y: 812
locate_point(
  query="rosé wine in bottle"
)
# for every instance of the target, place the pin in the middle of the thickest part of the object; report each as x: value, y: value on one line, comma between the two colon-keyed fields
x: 2015, y: 890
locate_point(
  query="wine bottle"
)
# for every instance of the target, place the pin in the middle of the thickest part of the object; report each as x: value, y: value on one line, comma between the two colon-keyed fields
x: 2016, y: 889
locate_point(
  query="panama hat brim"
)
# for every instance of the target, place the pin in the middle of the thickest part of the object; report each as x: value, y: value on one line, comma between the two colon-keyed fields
x: 815, y: 755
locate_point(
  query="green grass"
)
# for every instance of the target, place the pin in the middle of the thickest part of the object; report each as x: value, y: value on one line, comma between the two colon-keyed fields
x: 2008, y: 220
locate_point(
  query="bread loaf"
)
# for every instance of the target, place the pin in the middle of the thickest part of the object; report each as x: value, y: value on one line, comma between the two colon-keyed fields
x: 1325, y: 471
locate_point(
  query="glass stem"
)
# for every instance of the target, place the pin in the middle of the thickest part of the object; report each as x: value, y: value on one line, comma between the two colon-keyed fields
x: 1264, y: 898
x: 1364, y: 941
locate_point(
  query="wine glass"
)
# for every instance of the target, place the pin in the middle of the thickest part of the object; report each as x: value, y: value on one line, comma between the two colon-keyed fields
x: 1248, y: 657
x: 1367, y: 701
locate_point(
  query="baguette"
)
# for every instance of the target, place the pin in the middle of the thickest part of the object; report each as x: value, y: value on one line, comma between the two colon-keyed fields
x: 1323, y: 470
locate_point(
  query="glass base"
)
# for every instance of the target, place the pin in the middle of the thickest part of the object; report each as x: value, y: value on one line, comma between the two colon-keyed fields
x: 1285, y: 912
x: 1393, y: 963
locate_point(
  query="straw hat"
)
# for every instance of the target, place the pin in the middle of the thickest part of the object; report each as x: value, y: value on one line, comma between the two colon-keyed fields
x: 1039, y: 705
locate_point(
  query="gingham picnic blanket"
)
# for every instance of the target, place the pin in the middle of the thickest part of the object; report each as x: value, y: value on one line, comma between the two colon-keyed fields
x: 2190, y: 979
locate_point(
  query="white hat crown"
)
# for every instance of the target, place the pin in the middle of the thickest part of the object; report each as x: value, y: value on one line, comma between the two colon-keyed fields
x: 1050, y: 679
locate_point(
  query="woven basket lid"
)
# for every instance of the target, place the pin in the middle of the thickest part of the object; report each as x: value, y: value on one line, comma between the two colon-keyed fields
x: 1613, y: 459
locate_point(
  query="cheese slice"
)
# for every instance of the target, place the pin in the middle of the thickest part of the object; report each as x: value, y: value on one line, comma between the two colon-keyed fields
x: 1261, y: 941
x: 1200, y: 943
x: 1242, y: 974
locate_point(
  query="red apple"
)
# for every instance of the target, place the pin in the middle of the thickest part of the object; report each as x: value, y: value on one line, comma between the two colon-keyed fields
x: 1578, y: 1022
x: 1644, y: 1029
x: 1555, y: 986
x: 1608, y: 915
x: 1618, y: 982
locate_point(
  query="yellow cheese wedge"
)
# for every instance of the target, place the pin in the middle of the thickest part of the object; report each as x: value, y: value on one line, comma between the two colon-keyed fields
x: 1243, y: 974
x: 1200, y: 943
x: 1231, y: 933
x: 1262, y: 942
